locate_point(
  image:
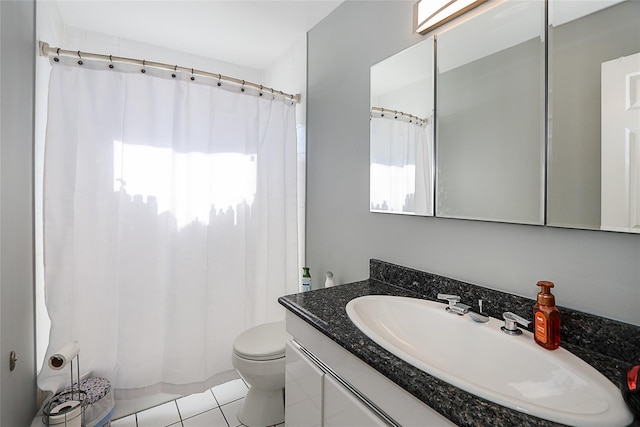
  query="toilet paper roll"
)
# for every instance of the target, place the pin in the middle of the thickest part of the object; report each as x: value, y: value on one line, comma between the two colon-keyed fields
x: 67, y: 414
x: 60, y: 359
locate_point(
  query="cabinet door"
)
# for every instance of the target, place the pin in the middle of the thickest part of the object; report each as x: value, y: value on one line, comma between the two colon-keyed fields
x: 343, y: 409
x: 303, y: 390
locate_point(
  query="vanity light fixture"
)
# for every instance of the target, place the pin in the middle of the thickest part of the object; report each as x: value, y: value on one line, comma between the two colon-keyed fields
x: 430, y: 14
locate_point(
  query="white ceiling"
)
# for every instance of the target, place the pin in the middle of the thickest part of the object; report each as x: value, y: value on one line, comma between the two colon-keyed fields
x: 251, y: 33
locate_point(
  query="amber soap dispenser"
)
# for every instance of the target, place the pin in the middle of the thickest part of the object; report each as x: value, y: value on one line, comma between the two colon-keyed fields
x: 546, y: 318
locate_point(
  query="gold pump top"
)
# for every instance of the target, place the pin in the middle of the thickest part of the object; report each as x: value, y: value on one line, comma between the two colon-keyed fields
x: 545, y: 297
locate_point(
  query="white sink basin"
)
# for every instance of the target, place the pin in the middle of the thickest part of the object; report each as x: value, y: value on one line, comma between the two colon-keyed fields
x: 512, y: 371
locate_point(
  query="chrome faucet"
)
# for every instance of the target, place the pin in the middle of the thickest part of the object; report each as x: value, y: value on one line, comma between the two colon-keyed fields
x: 511, y: 321
x: 456, y: 307
x: 478, y: 317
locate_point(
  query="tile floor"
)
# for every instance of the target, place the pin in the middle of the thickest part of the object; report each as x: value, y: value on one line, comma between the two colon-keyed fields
x: 216, y: 407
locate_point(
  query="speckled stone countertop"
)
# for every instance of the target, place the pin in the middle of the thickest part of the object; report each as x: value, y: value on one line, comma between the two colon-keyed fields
x: 609, y: 346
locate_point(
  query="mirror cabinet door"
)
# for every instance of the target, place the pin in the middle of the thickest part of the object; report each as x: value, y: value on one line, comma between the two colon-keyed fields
x: 490, y: 121
x: 490, y: 116
x: 401, y: 132
x: 594, y: 115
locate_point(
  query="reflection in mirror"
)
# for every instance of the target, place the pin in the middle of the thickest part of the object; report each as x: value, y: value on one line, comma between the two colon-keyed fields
x: 401, y: 140
x: 594, y: 115
x: 490, y: 116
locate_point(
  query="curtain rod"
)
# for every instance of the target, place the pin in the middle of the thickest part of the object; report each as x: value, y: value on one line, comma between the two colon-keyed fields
x: 46, y: 50
x: 396, y: 112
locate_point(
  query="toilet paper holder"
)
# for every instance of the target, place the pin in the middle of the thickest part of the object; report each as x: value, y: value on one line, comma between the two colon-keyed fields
x: 63, y: 409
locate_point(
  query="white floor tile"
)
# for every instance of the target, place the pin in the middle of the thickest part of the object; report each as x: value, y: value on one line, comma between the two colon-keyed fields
x: 231, y: 410
x: 228, y: 392
x: 162, y: 415
x: 212, y: 418
x: 195, y: 404
x: 129, y: 421
x: 130, y: 406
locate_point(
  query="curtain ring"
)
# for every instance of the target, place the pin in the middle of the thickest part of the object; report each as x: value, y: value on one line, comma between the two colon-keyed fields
x: 175, y: 70
x: 80, y: 62
x: 260, y: 90
x: 57, y: 58
x: 192, y: 78
x: 219, y: 78
x: 242, y: 87
x: 111, y: 60
x: 381, y: 112
x: 143, y: 65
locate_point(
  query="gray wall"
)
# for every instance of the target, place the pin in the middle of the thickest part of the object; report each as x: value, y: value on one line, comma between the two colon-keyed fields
x: 17, y: 55
x: 597, y: 272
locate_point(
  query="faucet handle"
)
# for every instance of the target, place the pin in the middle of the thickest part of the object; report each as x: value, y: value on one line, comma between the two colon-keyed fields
x: 453, y: 299
x: 455, y: 306
x: 510, y: 323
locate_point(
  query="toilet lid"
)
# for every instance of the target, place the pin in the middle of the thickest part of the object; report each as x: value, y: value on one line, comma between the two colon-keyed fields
x: 262, y: 342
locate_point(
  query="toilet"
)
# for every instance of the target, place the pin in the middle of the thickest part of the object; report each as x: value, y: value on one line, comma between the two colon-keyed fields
x: 258, y: 356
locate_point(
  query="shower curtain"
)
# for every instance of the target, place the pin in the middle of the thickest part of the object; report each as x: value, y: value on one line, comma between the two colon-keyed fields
x: 401, y: 166
x: 170, y: 223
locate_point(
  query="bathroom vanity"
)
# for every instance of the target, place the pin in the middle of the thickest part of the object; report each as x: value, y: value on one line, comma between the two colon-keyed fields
x: 336, y: 375
x: 328, y: 386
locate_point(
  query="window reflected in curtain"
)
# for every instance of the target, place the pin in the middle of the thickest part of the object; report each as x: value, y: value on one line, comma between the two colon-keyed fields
x: 187, y: 185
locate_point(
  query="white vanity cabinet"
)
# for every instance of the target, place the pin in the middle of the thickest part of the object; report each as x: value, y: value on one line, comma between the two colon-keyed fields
x: 328, y: 386
x: 303, y: 390
x: 341, y: 408
x: 314, y: 397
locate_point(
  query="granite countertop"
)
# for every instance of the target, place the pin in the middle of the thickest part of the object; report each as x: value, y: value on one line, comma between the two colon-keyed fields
x: 324, y: 309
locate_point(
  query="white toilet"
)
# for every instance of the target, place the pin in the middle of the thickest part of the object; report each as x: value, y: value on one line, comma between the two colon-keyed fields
x: 258, y: 356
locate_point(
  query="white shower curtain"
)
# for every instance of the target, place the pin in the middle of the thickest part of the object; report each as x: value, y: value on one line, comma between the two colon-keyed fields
x: 401, y: 166
x: 170, y: 223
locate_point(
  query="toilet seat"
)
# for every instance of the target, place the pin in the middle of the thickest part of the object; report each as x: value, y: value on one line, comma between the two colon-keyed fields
x: 262, y: 342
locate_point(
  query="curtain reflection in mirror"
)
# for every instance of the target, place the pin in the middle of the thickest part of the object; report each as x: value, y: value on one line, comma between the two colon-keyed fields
x: 401, y: 153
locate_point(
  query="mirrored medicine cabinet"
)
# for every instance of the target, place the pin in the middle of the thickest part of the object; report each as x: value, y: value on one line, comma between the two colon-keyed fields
x: 494, y: 145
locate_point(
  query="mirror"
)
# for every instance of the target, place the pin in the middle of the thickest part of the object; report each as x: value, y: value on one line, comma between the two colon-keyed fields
x: 491, y: 125
x: 490, y: 116
x: 401, y: 138
x: 594, y: 115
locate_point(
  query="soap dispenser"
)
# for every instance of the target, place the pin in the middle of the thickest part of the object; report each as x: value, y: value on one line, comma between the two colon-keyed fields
x: 306, y: 279
x: 328, y: 282
x: 546, y: 318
